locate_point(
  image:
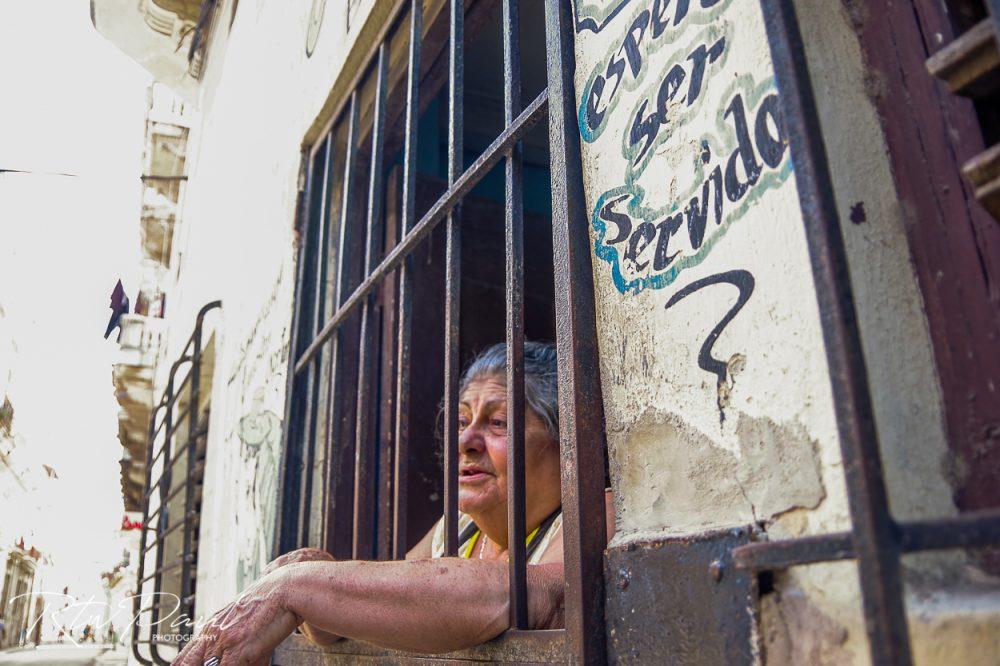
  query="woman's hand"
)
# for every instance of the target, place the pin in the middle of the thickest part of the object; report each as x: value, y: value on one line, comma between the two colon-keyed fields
x: 247, y: 630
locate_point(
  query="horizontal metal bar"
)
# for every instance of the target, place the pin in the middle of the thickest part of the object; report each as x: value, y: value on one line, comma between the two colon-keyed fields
x: 176, y: 564
x: 149, y: 493
x: 490, y: 158
x: 968, y: 530
x: 792, y: 552
x: 171, y: 396
x: 161, y: 536
x: 174, y: 489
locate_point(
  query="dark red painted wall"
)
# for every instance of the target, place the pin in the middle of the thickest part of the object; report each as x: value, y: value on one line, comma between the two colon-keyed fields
x: 954, y: 244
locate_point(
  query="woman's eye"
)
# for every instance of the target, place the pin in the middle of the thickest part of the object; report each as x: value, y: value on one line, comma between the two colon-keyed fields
x: 498, y: 423
x: 463, y: 423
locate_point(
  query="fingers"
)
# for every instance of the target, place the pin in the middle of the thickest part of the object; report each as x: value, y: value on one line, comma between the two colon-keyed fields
x: 195, y: 653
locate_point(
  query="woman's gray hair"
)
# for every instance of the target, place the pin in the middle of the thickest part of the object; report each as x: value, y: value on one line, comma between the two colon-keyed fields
x: 541, y: 380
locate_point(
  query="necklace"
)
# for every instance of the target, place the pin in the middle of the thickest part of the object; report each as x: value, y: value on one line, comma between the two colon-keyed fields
x: 482, y: 549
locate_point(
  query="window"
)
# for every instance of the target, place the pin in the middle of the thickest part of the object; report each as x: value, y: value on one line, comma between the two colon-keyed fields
x: 437, y: 217
x: 175, y: 466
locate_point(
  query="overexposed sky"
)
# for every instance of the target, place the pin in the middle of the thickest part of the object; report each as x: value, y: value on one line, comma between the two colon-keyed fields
x: 70, y: 102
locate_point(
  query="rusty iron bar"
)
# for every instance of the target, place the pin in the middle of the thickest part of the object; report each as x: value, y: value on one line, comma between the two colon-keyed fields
x: 320, y: 465
x: 388, y: 308
x: 290, y: 458
x: 339, y: 505
x: 514, y: 334
x: 967, y: 530
x: 365, y: 476
x: 581, y: 406
x: 453, y: 276
x: 871, y: 522
x: 496, y: 151
x: 402, y: 259
x: 317, y: 233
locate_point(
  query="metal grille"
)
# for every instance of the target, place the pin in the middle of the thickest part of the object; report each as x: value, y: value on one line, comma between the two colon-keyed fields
x: 876, y: 541
x: 333, y: 463
x: 171, y: 499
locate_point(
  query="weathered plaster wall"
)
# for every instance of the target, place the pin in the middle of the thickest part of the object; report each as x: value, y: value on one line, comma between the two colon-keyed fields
x: 236, y: 243
x: 712, y: 358
x: 716, y: 389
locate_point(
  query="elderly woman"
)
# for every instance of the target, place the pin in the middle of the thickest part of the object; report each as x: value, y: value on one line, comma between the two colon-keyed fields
x: 402, y: 604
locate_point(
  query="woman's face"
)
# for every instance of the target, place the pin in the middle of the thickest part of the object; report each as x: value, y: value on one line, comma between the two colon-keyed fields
x: 482, y: 457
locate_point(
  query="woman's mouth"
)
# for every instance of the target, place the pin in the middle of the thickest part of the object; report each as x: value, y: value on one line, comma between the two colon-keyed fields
x: 472, y: 475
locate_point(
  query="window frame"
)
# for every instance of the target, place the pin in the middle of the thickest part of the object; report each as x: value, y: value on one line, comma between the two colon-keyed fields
x: 581, y: 424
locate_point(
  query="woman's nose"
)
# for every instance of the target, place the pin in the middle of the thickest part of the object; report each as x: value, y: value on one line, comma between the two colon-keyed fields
x: 471, y: 438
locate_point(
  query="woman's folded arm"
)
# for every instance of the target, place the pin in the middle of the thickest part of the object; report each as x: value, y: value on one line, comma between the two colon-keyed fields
x: 430, y: 606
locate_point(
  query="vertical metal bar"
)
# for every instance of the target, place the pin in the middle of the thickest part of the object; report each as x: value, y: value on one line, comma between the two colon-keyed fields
x: 387, y: 381
x: 514, y: 236
x: 365, y: 473
x: 140, y: 575
x: 341, y: 445
x: 318, y: 234
x: 581, y: 406
x: 872, y: 526
x: 318, y: 525
x: 453, y: 278
x: 284, y: 516
x: 163, y: 517
x: 188, y: 552
x: 405, y: 286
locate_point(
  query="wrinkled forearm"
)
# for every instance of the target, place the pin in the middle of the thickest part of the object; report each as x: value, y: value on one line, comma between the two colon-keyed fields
x: 422, y: 605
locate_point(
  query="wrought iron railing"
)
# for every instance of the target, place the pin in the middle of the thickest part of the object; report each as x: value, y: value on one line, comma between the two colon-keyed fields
x: 178, y: 429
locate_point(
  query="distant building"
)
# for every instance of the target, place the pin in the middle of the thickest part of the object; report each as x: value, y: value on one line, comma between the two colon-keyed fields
x: 21, y: 602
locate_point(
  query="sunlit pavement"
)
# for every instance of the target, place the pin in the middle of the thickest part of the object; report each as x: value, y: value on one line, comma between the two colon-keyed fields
x: 65, y: 655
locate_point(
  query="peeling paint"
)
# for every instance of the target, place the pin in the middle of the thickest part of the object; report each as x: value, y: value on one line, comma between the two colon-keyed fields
x: 682, y: 481
x: 794, y: 631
